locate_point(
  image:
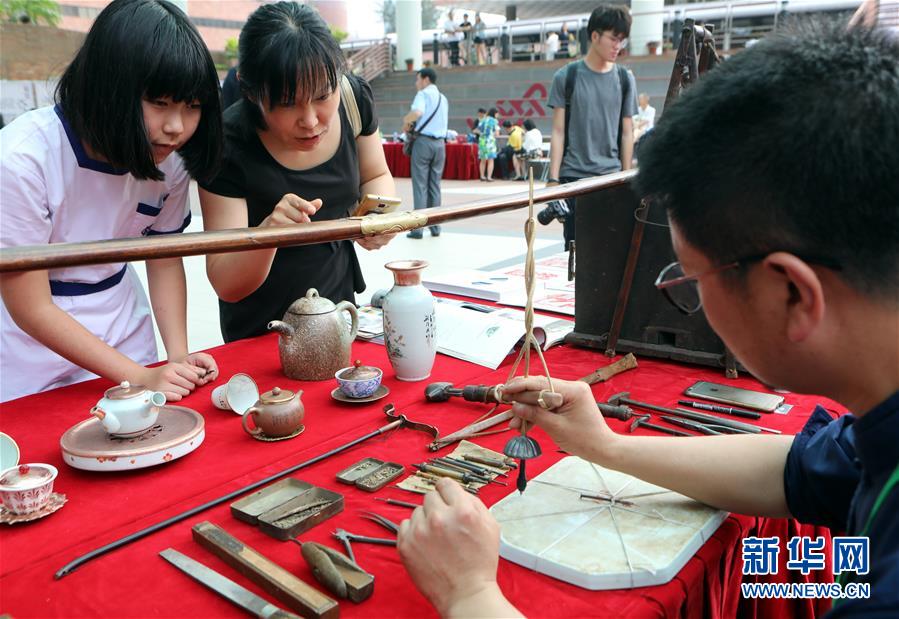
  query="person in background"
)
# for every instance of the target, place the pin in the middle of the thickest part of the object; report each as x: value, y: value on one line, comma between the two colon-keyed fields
x: 451, y: 37
x: 479, y: 39
x: 812, y: 265
x: 514, y: 148
x: 488, y: 129
x: 467, y: 29
x: 230, y: 88
x: 598, y: 137
x: 645, y: 118
x: 430, y: 114
x: 291, y: 156
x: 112, y: 159
x: 533, y: 140
x: 552, y: 46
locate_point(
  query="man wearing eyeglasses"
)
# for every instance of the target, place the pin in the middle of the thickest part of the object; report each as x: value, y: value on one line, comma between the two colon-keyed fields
x: 594, y: 101
x: 785, y: 221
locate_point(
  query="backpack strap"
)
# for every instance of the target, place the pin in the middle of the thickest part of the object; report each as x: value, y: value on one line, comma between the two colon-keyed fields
x: 348, y: 97
x: 570, y: 79
x: 625, y: 80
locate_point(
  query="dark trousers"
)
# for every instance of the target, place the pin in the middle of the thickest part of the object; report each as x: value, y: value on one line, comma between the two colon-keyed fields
x: 454, y: 53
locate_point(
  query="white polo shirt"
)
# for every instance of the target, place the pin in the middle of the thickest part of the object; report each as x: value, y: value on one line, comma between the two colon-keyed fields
x: 53, y: 192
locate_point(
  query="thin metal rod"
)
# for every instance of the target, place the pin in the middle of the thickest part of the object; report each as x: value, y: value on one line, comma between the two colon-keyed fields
x: 75, y: 564
x: 222, y: 241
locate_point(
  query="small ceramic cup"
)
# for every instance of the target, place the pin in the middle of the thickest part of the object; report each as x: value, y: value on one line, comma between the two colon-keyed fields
x: 358, y: 388
x: 238, y: 394
x: 26, y: 488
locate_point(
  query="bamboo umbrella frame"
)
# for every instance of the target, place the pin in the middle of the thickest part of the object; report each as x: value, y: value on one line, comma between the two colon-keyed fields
x: 58, y: 255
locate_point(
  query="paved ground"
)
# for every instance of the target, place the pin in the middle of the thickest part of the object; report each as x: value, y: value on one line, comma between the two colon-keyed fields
x: 482, y: 242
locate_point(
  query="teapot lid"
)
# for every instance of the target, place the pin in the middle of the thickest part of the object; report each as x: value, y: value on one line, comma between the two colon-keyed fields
x: 359, y: 372
x: 276, y: 396
x: 311, y: 304
x: 124, y: 391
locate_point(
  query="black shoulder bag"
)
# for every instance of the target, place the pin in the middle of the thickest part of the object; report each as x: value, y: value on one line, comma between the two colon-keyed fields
x: 412, y: 133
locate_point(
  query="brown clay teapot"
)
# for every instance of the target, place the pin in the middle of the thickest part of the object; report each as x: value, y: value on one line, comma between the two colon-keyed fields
x: 315, y: 340
x: 277, y: 414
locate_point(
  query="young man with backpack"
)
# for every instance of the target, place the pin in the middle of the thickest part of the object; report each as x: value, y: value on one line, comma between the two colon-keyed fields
x: 593, y: 105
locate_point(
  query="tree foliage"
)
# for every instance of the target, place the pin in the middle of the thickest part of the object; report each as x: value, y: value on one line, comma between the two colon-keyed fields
x: 30, y: 11
x: 430, y: 14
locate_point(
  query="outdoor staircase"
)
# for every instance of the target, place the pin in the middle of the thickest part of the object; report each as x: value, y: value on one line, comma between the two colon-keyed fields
x: 517, y: 90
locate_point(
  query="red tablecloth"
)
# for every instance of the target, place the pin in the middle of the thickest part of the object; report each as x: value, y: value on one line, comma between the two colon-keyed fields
x: 134, y: 582
x: 461, y: 161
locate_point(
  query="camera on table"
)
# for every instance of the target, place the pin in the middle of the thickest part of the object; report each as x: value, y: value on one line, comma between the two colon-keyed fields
x: 556, y: 209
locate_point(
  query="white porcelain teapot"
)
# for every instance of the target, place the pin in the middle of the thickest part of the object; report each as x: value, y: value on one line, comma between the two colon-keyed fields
x: 128, y: 410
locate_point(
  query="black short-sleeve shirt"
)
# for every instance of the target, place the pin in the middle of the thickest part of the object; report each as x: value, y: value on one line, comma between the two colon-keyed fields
x: 250, y: 172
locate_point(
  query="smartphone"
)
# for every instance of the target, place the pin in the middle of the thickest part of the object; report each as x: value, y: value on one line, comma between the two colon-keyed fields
x: 734, y: 395
x: 377, y: 205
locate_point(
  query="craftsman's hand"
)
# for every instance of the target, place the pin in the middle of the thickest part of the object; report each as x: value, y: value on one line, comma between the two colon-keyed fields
x: 576, y: 426
x: 551, y: 182
x: 209, y: 369
x: 450, y: 547
x: 375, y: 242
x: 291, y: 209
x: 174, y: 379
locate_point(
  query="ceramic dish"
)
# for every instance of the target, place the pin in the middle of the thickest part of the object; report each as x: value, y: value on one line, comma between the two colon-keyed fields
x: 339, y: 395
x: 178, y: 431
x: 9, y: 452
x: 56, y: 501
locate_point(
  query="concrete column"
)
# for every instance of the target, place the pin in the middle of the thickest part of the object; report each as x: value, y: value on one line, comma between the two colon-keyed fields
x: 646, y: 28
x: 408, y: 33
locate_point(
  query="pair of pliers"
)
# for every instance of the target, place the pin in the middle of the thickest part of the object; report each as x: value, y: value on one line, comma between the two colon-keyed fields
x: 381, y: 520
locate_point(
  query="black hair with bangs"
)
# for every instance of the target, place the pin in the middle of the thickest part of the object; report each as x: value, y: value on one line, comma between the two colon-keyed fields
x: 287, y: 53
x: 616, y: 18
x: 137, y: 49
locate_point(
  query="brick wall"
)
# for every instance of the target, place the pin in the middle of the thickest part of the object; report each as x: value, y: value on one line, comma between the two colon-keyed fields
x: 29, y: 52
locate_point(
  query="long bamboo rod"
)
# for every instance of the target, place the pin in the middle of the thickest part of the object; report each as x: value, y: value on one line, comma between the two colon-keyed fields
x: 58, y: 255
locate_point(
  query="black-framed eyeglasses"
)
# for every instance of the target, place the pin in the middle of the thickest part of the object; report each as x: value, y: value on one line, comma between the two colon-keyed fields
x: 682, y: 291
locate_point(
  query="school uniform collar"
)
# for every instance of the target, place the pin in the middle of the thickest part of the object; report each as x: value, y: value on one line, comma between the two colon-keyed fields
x: 877, y: 436
x: 84, y: 160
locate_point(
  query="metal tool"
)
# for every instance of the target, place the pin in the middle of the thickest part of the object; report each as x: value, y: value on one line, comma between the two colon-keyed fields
x: 442, y: 391
x: 464, y: 468
x: 480, y: 470
x: 431, y: 480
x: 346, y: 538
x: 643, y: 421
x: 624, y: 398
x: 508, y: 463
x: 397, y: 502
x: 727, y: 410
x: 225, y: 587
x: 689, y: 424
x: 441, y: 471
x: 381, y: 520
x: 399, y: 421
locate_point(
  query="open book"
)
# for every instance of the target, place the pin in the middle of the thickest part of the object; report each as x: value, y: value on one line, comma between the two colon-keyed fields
x: 552, y: 290
x: 482, y: 334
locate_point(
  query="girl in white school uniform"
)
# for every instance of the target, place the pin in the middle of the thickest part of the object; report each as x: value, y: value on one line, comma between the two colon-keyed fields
x: 138, y: 113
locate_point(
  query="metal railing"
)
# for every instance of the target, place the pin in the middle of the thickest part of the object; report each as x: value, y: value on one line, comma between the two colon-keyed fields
x: 372, y: 60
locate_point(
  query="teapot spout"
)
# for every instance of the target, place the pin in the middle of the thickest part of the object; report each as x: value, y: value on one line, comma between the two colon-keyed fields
x: 281, y: 327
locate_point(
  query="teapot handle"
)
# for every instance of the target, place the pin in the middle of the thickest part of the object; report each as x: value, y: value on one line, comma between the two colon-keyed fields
x: 246, y: 417
x: 346, y: 306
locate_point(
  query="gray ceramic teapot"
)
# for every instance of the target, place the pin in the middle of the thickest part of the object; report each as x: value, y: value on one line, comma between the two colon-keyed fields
x: 314, y: 338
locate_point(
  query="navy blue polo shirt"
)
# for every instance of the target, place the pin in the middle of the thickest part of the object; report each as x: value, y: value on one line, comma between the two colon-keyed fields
x: 834, y: 472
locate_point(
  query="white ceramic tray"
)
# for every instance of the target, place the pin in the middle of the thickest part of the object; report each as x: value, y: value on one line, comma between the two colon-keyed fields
x: 178, y: 431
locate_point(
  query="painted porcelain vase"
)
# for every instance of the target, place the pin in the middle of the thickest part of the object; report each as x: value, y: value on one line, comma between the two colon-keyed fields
x: 410, y: 329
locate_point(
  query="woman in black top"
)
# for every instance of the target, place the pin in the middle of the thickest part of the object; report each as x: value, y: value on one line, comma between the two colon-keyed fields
x: 290, y: 157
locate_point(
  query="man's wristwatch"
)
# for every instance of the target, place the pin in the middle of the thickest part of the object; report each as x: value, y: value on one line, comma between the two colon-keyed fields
x: 552, y: 180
